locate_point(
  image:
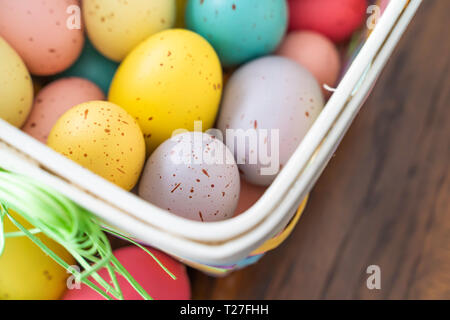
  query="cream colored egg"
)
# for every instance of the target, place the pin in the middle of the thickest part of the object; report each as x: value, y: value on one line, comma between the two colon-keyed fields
x: 103, y: 138
x: 116, y: 27
x: 16, y: 87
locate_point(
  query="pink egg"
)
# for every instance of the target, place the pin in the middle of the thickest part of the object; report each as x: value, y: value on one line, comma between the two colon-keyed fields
x: 39, y: 32
x: 384, y: 4
x: 54, y: 100
x: 193, y: 175
x: 145, y: 270
x: 249, y: 195
x: 314, y: 52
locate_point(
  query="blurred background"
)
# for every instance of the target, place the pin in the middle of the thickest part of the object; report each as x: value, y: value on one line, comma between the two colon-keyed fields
x: 383, y: 199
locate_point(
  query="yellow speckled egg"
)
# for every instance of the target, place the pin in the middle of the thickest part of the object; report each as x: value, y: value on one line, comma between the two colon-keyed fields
x: 103, y: 138
x: 169, y: 81
x: 16, y: 87
x: 116, y: 27
x: 26, y: 272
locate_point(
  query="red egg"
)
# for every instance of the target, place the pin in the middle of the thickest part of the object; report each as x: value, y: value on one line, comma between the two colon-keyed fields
x: 146, y: 271
x: 335, y: 19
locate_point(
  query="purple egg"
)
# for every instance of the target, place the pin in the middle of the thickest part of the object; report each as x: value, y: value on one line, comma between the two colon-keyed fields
x: 192, y: 175
x: 268, y: 107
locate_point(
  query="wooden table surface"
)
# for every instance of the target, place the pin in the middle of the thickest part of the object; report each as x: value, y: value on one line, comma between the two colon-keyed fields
x: 383, y: 199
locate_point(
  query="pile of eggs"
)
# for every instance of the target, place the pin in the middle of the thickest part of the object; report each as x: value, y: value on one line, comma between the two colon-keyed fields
x: 131, y: 89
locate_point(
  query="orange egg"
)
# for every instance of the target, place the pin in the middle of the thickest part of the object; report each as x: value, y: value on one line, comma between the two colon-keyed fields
x: 54, y: 100
x: 39, y: 31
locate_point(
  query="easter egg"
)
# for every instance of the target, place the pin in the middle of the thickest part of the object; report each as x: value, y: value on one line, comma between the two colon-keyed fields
x: 268, y: 107
x: 103, y: 138
x: 316, y: 53
x: 239, y: 30
x: 93, y: 66
x: 39, y: 32
x: 116, y: 27
x: 150, y: 276
x: 335, y: 19
x: 26, y: 272
x: 16, y: 87
x: 193, y: 175
x: 54, y: 100
x: 169, y: 81
x: 249, y: 195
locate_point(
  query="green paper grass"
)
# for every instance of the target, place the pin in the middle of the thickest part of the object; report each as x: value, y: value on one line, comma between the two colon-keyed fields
x: 70, y: 225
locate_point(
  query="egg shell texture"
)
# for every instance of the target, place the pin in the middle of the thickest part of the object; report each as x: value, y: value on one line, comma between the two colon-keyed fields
x: 194, y: 176
x: 335, y: 19
x: 103, y: 138
x: 239, y: 30
x: 27, y: 272
x: 145, y: 270
x: 116, y: 27
x: 16, y: 87
x: 54, y: 100
x: 277, y: 95
x: 38, y: 31
x: 169, y: 81
x: 316, y: 53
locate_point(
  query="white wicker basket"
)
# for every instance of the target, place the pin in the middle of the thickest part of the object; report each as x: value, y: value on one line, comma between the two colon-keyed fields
x: 228, y: 241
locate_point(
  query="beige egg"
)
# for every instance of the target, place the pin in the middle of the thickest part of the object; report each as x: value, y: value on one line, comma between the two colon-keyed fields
x: 16, y: 87
x: 116, y: 27
x: 103, y: 138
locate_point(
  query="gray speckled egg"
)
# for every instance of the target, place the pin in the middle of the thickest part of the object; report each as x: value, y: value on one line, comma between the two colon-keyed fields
x: 275, y: 100
x: 193, y: 175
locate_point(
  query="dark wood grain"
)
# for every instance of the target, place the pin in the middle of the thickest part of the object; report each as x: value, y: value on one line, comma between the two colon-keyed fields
x: 384, y: 198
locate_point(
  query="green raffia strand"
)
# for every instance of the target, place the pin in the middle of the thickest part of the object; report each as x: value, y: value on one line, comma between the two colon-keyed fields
x: 143, y: 248
x: 70, y: 225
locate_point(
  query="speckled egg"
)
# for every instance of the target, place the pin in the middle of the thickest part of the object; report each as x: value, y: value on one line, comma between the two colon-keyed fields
x: 116, y: 27
x: 16, y: 87
x: 268, y: 107
x: 169, y: 81
x: 193, y: 175
x: 239, y: 30
x: 316, y: 53
x: 54, y: 100
x: 39, y: 32
x: 93, y: 66
x: 103, y: 138
x: 335, y: 19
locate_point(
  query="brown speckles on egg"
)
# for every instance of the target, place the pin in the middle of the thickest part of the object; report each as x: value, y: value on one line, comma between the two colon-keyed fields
x: 200, y: 194
x: 116, y: 152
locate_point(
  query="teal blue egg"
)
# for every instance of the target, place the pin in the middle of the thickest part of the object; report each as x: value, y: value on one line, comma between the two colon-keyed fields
x: 239, y: 30
x: 93, y: 66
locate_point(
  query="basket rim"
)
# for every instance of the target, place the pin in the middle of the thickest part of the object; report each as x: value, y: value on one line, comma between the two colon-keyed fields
x: 217, y: 242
